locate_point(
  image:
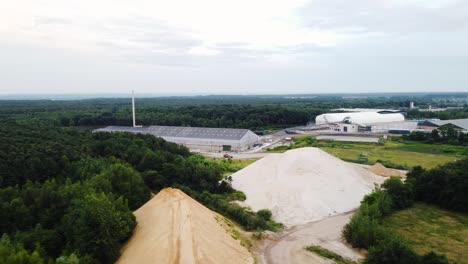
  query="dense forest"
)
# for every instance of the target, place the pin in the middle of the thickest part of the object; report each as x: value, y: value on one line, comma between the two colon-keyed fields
x: 68, y: 194
x: 444, y: 186
x: 252, y: 112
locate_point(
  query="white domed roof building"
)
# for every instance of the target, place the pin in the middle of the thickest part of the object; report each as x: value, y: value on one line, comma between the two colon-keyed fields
x: 365, y: 122
x: 364, y: 118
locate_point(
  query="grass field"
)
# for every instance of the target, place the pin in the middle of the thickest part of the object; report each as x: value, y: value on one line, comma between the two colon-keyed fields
x: 233, y: 165
x: 401, y: 155
x: 394, y: 154
x: 325, y: 253
x: 427, y: 228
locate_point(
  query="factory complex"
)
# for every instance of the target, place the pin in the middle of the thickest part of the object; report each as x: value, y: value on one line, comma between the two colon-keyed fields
x: 381, y: 122
x: 197, y: 138
x: 351, y: 122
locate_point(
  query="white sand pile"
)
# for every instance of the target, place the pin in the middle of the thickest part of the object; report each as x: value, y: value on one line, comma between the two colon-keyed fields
x: 174, y: 228
x: 381, y: 170
x: 304, y: 185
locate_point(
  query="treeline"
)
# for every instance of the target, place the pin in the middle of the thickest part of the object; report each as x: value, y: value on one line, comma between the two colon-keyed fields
x: 443, y: 115
x: 115, y: 112
x: 68, y: 194
x: 444, y: 186
x: 446, y: 135
x: 251, y: 112
x: 232, y: 116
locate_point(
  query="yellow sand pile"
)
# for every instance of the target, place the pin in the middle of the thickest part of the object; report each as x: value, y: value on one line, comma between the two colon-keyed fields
x: 174, y: 228
x: 381, y: 170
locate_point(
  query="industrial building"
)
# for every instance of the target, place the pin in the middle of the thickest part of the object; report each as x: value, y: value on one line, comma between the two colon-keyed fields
x: 194, y: 138
x: 382, y: 121
x: 457, y: 124
x: 197, y: 138
x: 359, y: 118
x: 357, y: 122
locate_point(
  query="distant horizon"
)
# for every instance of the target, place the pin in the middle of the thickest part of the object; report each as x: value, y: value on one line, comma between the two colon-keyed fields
x: 233, y: 47
x: 78, y: 96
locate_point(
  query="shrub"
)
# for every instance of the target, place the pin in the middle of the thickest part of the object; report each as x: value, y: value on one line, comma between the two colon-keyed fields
x: 380, y: 201
x: 401, y: 194
x: 363, y: 231
x: 433, y: 258
x: 391, y: 250
x: 265, y: 214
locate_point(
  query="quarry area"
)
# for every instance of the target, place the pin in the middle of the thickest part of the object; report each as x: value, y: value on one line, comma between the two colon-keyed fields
x: 304, y: 185
x: 308, y: 190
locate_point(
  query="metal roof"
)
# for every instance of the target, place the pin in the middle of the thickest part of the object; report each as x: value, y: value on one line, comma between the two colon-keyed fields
x: 462, y: 123
x: 183, y: 132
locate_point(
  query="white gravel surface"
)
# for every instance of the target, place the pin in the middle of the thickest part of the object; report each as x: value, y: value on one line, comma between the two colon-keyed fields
x: 288, y: 245
x: 304, y: 185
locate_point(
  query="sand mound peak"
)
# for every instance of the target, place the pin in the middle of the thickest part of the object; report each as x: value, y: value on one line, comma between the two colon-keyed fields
x: 380, y: 169
x: 304, y: 185
x: 174, y: 228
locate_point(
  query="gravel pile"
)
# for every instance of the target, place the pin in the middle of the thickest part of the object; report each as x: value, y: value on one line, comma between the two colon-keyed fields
x: 304, y: 185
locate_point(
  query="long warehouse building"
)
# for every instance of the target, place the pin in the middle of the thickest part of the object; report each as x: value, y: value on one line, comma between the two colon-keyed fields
x: 197, y: 138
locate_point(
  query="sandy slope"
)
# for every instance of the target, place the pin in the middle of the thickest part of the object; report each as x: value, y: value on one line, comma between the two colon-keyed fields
x: 174, y: 228
x: 380, y: 169
x: 304, y: 185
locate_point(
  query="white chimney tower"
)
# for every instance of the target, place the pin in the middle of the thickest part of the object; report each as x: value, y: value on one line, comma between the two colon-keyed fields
x: 411, y: 105
x: 133, y: 108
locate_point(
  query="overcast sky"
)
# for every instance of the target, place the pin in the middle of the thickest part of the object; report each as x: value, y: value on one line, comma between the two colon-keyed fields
x: 236, y: 46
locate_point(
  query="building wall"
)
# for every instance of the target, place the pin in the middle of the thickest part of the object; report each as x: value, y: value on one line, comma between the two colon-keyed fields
x: 347, y: 128
x: 385, y: 127
x: 359, y: 118
x: 207, y: 144
x: 243, y: 144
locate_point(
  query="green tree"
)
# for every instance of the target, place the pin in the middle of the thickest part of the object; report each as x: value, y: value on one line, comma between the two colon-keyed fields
x: 11, y: 253
x: 401, y: 194
x: 390, y: 251
x: 97, y: 225
x: 70, y: 259
x: 125, y: 181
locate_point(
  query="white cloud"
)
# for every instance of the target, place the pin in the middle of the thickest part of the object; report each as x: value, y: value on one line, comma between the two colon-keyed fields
x: 272, y: 44
x: 261, y: 24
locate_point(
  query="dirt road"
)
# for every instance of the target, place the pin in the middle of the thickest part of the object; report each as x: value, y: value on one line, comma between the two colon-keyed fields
x: 288, y: 246
x: 236, y: 155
